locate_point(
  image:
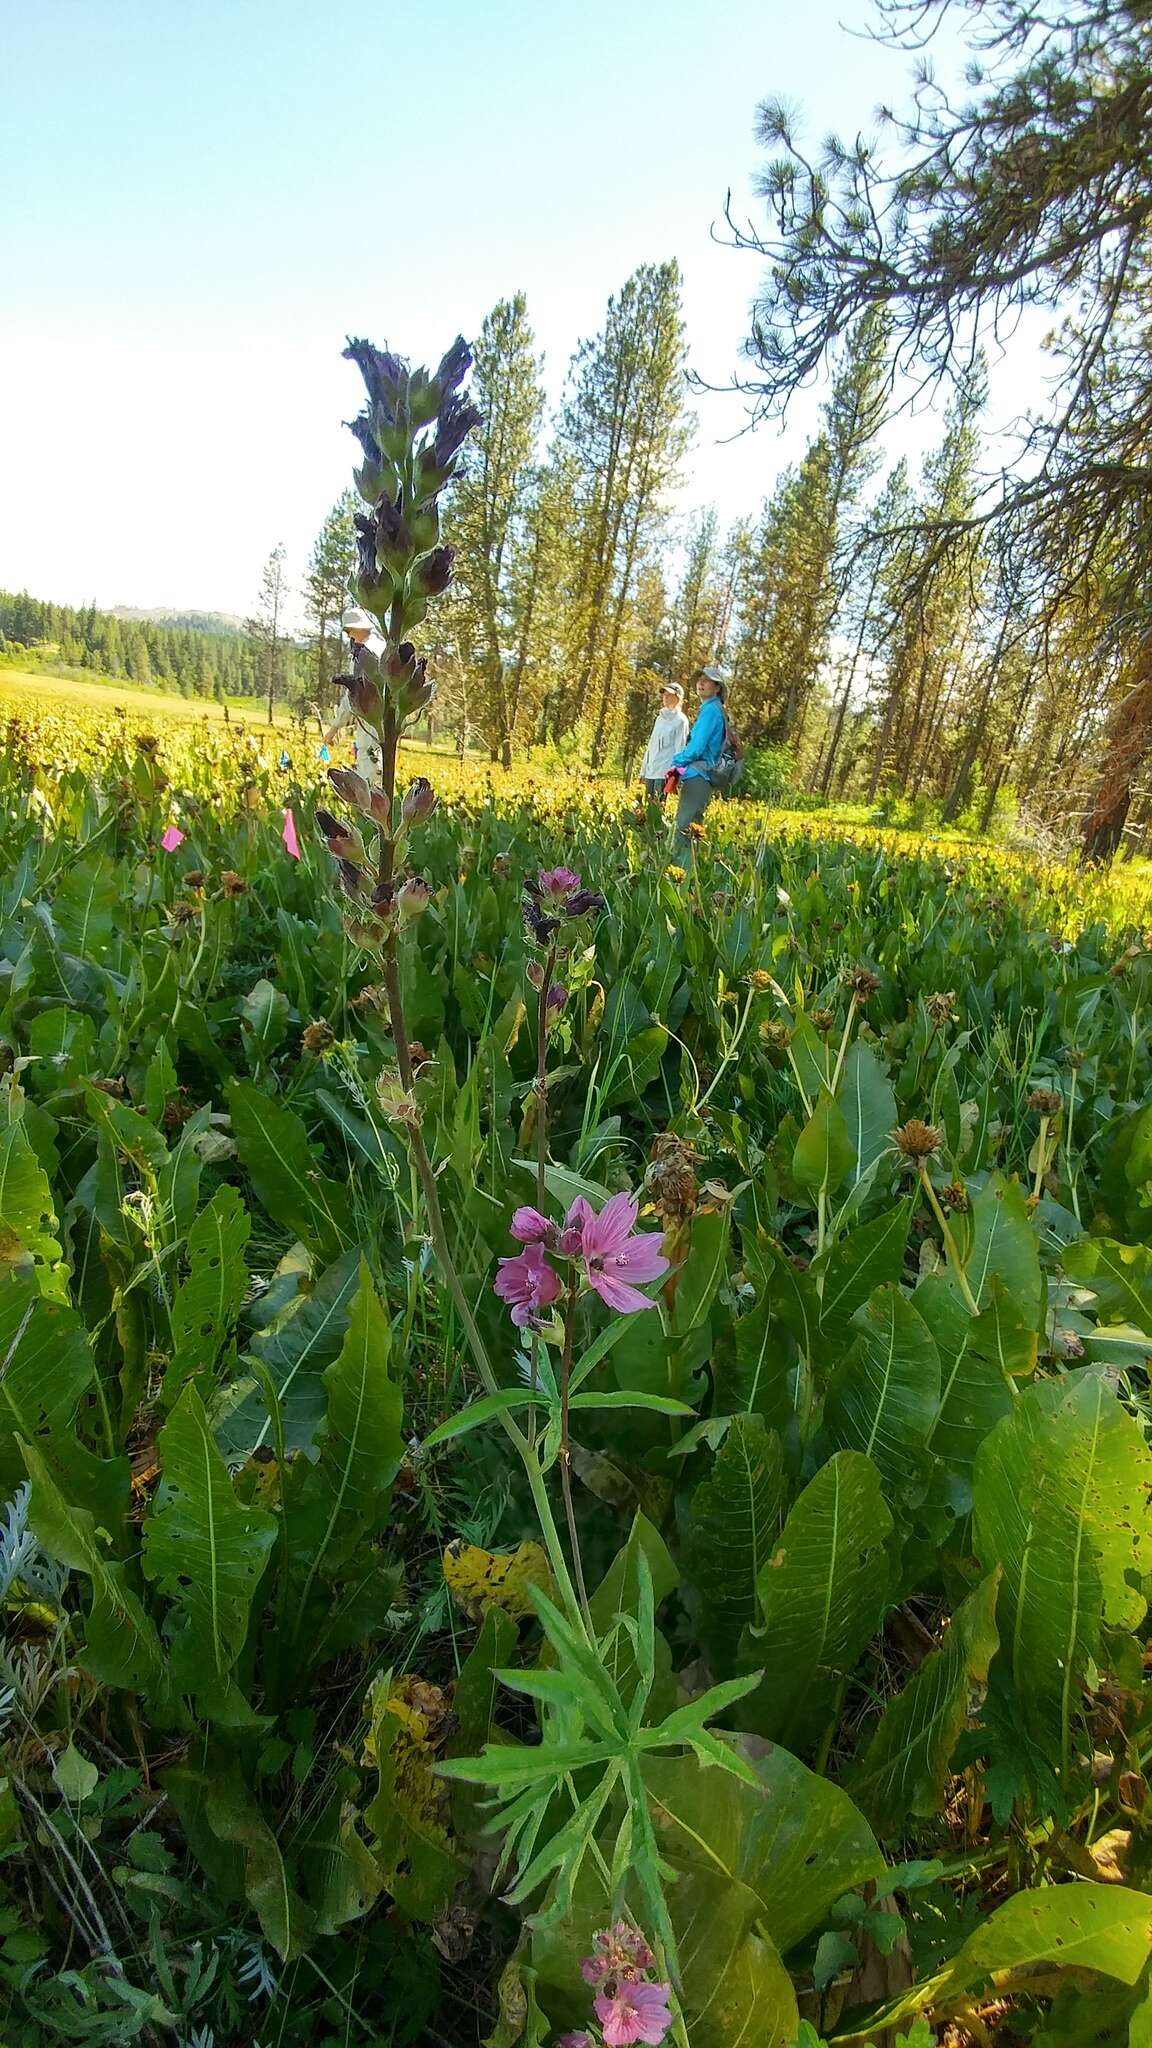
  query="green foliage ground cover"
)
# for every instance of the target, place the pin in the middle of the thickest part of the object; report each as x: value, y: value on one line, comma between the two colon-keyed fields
x: 889, y: 1494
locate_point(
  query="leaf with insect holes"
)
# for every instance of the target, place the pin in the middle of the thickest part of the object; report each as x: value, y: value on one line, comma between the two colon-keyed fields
x: 207, y: 1303
x: 203, y: 1548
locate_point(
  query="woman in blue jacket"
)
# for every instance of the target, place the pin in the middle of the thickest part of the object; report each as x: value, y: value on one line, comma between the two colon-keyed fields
x: 700, y: 753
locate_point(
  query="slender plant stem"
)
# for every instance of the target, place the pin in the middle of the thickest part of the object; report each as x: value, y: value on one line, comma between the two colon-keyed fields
x: 954, y: 1259
x: 541, y: 1152
x: 1041, y: 1159
x: 843, y: 1053
x: 565, y: 1446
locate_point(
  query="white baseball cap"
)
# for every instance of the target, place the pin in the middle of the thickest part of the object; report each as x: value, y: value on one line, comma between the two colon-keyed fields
x: 673, y: 689
x: 357, y: 621
x: 714, y: 675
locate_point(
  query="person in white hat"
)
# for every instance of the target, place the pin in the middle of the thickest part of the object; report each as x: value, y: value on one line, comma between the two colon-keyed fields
x: 668, y: 736
x: 367, y: 647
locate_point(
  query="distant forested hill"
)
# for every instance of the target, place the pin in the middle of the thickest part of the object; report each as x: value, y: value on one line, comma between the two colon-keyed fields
x: 199, y: 654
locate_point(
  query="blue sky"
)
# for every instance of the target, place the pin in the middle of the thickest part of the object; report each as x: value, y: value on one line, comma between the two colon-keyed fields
x: 198, y: 200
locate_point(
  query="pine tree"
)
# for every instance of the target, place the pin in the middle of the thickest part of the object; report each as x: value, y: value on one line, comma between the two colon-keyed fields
x: 266, y: 627
x: 491, y: 514
x: 696, y: 623
x: 326, y: 586
x: 623, y: 423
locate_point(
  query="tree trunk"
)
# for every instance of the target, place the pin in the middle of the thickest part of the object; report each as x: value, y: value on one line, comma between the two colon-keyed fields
x: 1127, y: 745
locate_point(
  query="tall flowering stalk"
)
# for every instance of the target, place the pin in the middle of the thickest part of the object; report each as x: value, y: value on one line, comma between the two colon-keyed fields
x: 411, y: 432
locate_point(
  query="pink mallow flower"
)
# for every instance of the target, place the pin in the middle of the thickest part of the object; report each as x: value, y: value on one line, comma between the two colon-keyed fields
x: 574, y: 2041
x: 528, y: 1284
x: 528, y: 1226
x: 556, y: 882
x: 617, y: 1951
x: 616, y: 1255
x: 637, y: 2012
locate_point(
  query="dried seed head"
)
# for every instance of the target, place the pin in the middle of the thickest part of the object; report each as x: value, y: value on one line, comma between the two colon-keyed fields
x: 759, y: 981
x: 955, y: 1196
x: 317, y: 1038
x: 1073, y: 1058
x: 232, y: 884
x: 823, y: 1020
x: 776, y: 1035
x: 863, y: 983
x: 941, y: 1008
x: 1045, y: 1102
x: 916, y: 1140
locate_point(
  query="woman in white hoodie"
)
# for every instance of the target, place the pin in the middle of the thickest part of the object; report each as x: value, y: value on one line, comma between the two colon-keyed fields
x: 669, y: 734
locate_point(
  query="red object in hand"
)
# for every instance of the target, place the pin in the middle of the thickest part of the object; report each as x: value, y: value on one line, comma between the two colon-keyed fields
x: 672, y: 782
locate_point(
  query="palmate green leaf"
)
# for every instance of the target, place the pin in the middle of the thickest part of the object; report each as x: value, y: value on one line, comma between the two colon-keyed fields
x: 121, y: 1646
x: 1004, y: 1247
x: 1061, y: 1495
x: 861, y: 1261
x: 273, y: 1145
x: 1119, y: 1275
x: 735, y: 1516
x: 823, y: 1593
x: 46, y: 1368
x: 794, y: 1839
x: 207, y: 1303
x: 204, y: 1549
x: 28, y: 1241
x: 884, y: 1398
x: 296, y: 1351
x: 905, y: 1767
x: 866, y: 1096
x: 974, y: 1388
x: 824, y: 1151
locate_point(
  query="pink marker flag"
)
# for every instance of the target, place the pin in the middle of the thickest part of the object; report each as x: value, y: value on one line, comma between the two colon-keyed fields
x: 290, y: 839
x: 172, y: 839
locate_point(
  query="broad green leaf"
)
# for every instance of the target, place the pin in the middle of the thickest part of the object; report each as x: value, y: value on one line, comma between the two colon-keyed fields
x: 45, y: 1369
x: 121, y: 1645
x: 866, y: 1096
x: 883, y: 1399
x: 563, y: 1185
x: 823, y: 1153
x: 287, y: 1923
x: 1004, y: 1247
x: 28, y: 1242
x: 735, y: 1516
x: 207, y: 1303
x: 362, y: 1445
x: 813, y: 1056
x: 791, y: 1293
x: 1119, y: 1275
x: 264, y: 1020
x: 75, y: 1777
x: 341, y: 1876
x: 1101, y: 1927
x: 204, y: 1549
x: 698, y: 1280
x: 735, y: 1988
x: 1061, y: 1496
x: 905, y: 1767
x: 85, y: 907
x: 861, y: 1261
x: 295, y: 1351
x: 134, y: 1137
x: 974, y: 1388
x: 762, y: 1379
x: 274, y: 1147
x: 796, y: 1840
x: 823, y: 1593
x: 619, y: 1592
